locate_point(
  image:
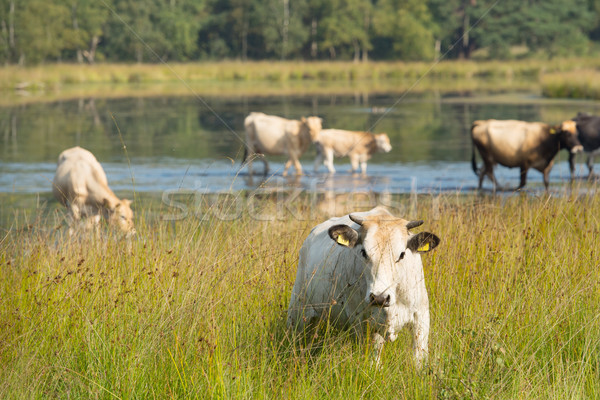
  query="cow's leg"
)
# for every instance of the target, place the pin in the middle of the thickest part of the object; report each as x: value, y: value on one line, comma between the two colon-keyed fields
x: 421, y: 336
x: 523, y: 181
x: 590, y: 164
x: 288, y: 164
x: 294, y: 158
x: 354, y: 162
x: 572, y: 165
x: 363, y: 165
x: 482, y: 174
x: 320, y: 156
x: 546, y: 173
x: 329, y: 160
x: 266, y: 164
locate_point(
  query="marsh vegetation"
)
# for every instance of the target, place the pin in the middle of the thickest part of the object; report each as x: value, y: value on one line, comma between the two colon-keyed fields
x: 178, y: 313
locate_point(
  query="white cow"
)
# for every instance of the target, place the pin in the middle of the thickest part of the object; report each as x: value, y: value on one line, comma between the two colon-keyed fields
x: 269, y: 134
x: 80, y: 184
x: 364, y: 268
x: 359, y: 146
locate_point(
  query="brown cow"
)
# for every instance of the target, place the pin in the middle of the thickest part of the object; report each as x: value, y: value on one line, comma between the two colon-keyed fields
x: 359, y: 146
x: 80, y: 184
x: 520, y: 144
x: 269, y: 134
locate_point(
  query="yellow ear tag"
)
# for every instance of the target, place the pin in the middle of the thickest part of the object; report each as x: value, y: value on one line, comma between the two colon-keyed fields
x: 425, y: 247
x: 552, y: 131
x: 343, y: 241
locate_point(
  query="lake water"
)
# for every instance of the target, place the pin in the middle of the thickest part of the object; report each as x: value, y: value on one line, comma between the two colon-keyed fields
x: 188, y: 143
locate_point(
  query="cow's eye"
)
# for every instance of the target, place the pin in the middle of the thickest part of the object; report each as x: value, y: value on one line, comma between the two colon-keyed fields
x: 364, y: 254
x: 401, y: 257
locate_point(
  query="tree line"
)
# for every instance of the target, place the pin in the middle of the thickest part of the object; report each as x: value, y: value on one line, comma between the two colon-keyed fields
x: 89, y: 31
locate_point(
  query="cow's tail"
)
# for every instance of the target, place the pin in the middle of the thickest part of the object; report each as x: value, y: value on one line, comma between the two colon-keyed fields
x: 473, y: 159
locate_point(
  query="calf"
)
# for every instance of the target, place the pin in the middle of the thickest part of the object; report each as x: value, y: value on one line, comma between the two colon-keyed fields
x: 359, y: 146
x: 365, y: 269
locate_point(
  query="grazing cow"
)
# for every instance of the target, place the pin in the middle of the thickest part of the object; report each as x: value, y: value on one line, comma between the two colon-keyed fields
x: 80, y: 184
x: 520, y: 144
x: 359, y: 146
x: 588, y: 133
x: 364, y: 269
x: 269, y: 134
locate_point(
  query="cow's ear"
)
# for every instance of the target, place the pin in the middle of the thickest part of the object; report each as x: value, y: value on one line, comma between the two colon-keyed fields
x: 343, y: 235
x: 127, y: 202
x: 423, y: 242
x: 303, y: 119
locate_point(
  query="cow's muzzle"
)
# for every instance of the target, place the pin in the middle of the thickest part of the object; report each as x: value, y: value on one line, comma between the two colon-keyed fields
x: 380, y: 300
x: 577, y: 149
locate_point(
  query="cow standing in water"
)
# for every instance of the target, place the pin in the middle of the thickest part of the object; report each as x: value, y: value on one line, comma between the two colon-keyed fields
x: 269, y: 134
x: 359, y: 146
x: 364, y: 269
x: 520, y: 144
x: 588, y: 133
x: 80, y: 184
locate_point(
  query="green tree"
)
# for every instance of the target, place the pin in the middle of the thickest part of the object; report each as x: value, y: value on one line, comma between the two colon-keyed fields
x: 42, y: 30
x: 88, y: 18
x: 282, y: 28
x: 346, y: 28
x: 404, y: 29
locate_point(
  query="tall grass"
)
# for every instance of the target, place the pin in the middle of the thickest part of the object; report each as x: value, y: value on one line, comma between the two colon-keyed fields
x: 197, y: 308
x: 61, y: 81
x: 583, y: 84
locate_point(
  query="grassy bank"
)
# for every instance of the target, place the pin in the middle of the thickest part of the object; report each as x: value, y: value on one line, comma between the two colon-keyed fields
x: 583, y: 84
x: 60, y: 81
x: 197, y: 309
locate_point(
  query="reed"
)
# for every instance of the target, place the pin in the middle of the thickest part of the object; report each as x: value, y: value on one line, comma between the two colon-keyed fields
x: 55, y: 79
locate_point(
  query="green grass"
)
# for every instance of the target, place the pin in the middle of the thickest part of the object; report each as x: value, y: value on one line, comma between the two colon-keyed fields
x: 582, y: 84
x: 193, y: 309
x: 64, y: 81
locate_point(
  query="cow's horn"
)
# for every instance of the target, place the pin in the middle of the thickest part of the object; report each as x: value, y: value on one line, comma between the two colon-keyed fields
x: 414, y: 224
x: 357, y: 219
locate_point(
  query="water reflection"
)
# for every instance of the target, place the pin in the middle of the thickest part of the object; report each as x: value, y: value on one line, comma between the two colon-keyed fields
x: 165, y: 143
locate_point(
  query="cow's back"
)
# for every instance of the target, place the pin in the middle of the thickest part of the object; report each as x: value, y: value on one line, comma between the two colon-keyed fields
x: 266, y: 133
x: 508, y: 142
x: 345, y: 142
x: 79, y: 175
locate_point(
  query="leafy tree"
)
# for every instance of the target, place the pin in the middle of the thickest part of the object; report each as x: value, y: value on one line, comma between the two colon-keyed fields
x: 88, y: 18
x: 282, y: 26
x: 346, y: 29
x: 404, y: 29
x: 42, y: 30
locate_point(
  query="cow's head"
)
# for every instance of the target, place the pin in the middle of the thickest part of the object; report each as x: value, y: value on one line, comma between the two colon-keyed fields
x: 121, y: 215
x: 387, y: 248
x: 314, y: 125
x: 567, y: 136
x: 382, y: 141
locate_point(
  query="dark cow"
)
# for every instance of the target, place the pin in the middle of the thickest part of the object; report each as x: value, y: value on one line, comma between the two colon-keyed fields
x: 588, y: 133
x: 520, y: 144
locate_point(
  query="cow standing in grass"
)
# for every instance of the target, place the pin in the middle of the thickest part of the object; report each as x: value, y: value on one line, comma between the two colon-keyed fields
x: 80, y: 184
x: 359, y: 146
x: 269, y: 134
x: 364, y: 269
x: 520, y: 144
